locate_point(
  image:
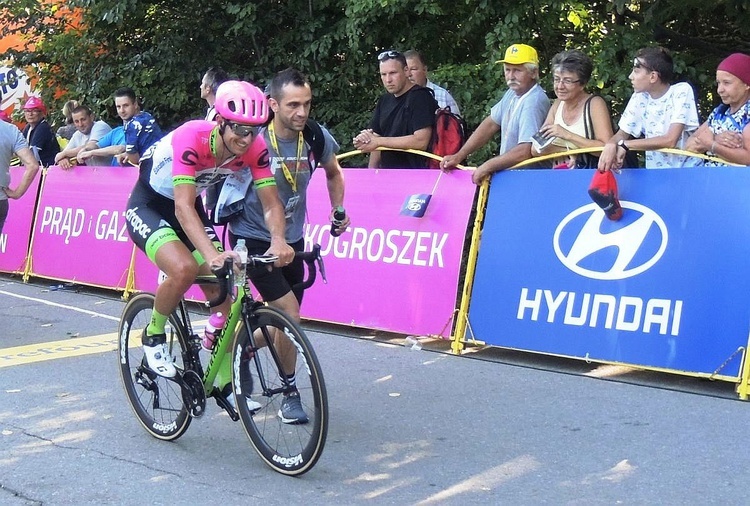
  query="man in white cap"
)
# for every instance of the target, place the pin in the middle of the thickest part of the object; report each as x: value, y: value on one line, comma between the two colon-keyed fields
x: 517, y: 116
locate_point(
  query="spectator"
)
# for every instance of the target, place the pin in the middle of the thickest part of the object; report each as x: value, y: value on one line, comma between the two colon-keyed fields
x: 577, y: 119
x: 12, y: 142
x: 418, y: 75
x: 213, y: 77
x: 88, y: 129
x: 402, y: 119
x: 141, y: 129
x: 725, y: 133
x: 663, y: 114
x: 68, y: 129
x: 517, y: 116
x: 106, y: 148
x: 38, y: 133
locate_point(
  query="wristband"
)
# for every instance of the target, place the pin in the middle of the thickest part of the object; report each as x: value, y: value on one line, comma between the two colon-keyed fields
x: 713, y: 147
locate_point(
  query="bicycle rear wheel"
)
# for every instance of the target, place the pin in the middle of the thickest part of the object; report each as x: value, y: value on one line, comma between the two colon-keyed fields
x: 290, y: 449
x: 156, y: 401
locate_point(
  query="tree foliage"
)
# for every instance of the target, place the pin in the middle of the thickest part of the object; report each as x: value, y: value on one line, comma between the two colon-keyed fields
x: 88, y: 48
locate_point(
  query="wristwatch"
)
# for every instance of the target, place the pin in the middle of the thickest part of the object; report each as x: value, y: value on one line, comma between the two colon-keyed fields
x: 621, y: 143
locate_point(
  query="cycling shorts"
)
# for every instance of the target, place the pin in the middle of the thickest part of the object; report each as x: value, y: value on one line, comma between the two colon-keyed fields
x: 3, y: 212
x: 278, y: 281
x: 152, y: 222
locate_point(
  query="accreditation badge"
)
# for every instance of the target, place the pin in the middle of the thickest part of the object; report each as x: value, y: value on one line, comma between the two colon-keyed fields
x: 291, y: 205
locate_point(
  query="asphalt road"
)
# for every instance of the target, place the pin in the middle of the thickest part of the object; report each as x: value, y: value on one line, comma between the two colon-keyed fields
x: 407, y: 427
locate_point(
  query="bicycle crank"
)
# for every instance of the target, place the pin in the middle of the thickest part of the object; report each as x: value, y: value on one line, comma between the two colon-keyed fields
x: 193, y: 395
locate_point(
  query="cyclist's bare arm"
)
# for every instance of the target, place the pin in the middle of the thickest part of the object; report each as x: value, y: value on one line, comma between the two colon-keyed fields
x: 184, y: 203
x: 273, y: 214
x: 32, y: 167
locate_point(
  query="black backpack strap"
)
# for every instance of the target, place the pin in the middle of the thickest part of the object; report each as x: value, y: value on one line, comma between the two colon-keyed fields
x: 313, y: 135
x: 588, y: 123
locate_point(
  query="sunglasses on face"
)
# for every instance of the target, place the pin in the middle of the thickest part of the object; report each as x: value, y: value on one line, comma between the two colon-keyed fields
x: 388, y: 55
x: 241, y: 130
x: 637, y: 64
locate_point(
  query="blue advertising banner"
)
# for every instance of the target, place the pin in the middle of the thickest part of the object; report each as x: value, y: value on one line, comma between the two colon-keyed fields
x: 664, y: 287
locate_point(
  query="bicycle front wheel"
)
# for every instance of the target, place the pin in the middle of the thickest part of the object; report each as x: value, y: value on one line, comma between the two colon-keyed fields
x: 289, y: 448
x: 156, y: 401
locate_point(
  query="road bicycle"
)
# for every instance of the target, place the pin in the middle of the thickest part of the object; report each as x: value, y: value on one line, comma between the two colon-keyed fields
x: 245, y: 355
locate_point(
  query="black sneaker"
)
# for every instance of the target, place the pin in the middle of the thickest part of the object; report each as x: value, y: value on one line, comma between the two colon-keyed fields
x: 291, y: 409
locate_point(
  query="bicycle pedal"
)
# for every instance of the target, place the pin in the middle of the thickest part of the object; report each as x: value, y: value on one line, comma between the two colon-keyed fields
x: 223, y: 403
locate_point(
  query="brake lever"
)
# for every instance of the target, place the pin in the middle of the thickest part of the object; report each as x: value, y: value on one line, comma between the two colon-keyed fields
x: 321, y: 268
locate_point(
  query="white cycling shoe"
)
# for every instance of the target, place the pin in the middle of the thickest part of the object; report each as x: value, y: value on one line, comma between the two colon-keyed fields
x: 159, y: 360
x: 252, y: 405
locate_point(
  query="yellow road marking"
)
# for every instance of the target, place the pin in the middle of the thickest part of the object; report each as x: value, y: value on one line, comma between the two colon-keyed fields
x: 40, y: 352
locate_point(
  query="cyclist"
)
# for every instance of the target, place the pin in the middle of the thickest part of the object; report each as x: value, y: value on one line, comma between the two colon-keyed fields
x: 166, y: 218
x: 293, y: 160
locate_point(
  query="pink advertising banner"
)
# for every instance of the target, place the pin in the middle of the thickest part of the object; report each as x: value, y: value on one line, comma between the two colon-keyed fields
x: 390, y: 271
x: 80, y: 232
x: 14, y: 240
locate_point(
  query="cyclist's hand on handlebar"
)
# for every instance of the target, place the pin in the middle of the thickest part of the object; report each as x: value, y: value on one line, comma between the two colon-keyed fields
x: 283, y: 251
x: 217, y: 262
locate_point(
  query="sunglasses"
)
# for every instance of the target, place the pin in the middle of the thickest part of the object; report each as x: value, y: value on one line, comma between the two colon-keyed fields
x: 388, y: 55
x: 242, y: 130
x: 638, y: 65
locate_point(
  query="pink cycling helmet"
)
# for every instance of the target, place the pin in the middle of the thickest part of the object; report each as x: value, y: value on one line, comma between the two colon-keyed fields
x: 35, y: 103
x: 241, y: 102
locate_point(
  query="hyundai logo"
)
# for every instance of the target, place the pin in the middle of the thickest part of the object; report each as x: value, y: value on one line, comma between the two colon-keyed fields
x: 589, y: 244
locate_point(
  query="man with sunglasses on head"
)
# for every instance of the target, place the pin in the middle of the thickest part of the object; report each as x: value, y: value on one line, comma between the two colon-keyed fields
x: 517, y: 116
x: 403, y: 118
x: 658, y: 115
x: 165, y: 215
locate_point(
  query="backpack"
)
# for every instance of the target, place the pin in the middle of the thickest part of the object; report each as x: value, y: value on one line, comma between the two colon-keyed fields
x: 313, y: 135
x: 448, y: 135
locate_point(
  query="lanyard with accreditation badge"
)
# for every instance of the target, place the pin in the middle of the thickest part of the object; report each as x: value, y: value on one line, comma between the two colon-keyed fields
x: 291, y: 204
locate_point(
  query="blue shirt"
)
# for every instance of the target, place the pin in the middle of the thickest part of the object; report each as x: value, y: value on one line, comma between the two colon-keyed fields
x: 115, y: 137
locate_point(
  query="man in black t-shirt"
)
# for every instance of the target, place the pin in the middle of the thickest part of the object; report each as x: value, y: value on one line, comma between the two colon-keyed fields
x: 402, y: 119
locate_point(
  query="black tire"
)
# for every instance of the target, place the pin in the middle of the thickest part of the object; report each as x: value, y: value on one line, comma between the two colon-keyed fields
x: 170, y: 418
x: 290, y: 449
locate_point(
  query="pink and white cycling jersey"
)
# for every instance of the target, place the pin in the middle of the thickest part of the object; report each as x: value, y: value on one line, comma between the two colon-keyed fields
x: 186, y: 156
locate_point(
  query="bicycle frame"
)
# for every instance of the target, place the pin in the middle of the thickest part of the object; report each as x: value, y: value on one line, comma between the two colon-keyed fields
x: 220, y: 363
x: 241, y: 310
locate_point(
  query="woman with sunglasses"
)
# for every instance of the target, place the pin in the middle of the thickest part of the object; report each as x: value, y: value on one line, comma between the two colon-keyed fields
x: 577, y: 119
x: 725, y: 133
x: 658, y: 115
x: 38, y: 133
x: 165, y: 215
